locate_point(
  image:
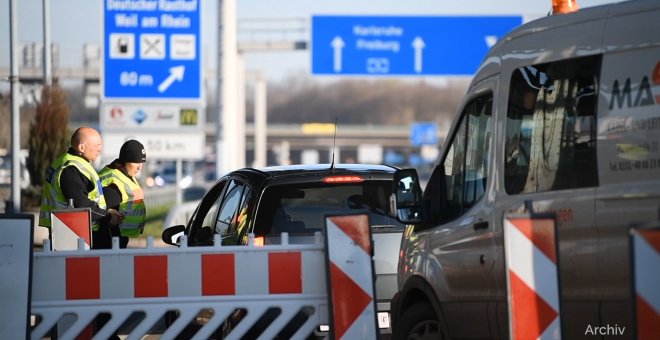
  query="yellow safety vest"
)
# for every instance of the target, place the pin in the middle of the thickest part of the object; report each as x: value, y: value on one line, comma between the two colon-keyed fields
x: 132, y: 201
x: 53, y: 198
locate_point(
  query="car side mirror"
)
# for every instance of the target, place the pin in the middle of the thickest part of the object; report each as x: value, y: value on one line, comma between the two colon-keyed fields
x: 407, y: 196
x: 172, y: 235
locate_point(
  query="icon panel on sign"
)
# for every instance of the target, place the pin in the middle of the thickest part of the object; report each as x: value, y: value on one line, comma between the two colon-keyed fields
x: 152, y: 46
x: 378, y: 65
x: 122, y: 46
x: 182, y: 47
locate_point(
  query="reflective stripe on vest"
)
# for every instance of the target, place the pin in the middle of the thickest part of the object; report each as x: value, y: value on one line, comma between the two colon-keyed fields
x: 132, y: 201
x: 53, y: 198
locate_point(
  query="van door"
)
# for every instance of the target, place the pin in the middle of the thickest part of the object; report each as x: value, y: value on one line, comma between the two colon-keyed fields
x: 460, y: 245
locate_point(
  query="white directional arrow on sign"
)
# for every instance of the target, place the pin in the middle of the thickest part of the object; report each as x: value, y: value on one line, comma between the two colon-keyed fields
x: 418, y: 45
x: 337, y: 46
x: 176, y: 74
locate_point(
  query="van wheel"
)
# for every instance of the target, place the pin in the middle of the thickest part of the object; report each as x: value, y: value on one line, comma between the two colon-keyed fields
x: 418, y: 322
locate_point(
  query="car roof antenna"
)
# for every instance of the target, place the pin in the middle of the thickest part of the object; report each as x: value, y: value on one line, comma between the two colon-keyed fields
x: 334, y: 144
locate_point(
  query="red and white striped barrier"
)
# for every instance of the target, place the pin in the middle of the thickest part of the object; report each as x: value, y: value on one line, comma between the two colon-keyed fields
x: 67, y: 226
x: 532, y: 280
x: 155, y: 280
x: 351, y: 275
x: 646, y: 266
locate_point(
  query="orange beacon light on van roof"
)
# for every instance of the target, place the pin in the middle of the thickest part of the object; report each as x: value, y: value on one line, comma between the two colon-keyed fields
x: 564, y: 6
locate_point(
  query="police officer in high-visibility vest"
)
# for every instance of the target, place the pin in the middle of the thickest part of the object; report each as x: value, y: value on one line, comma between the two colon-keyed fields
x: 71, y: 177
x: 122, y: 190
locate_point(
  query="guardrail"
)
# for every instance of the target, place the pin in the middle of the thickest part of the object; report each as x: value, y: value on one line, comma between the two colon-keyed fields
x: 180, y: 214
x: 159, y: 196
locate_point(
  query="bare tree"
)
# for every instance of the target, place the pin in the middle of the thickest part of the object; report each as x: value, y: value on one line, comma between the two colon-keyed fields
x: 48, y: 138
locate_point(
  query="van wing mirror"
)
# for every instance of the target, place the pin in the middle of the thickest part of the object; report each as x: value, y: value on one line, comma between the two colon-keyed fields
x: 406, y: 200
x: 172, y: 235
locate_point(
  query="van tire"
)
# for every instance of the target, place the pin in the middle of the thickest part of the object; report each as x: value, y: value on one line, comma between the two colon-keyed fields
x: 419, y: 322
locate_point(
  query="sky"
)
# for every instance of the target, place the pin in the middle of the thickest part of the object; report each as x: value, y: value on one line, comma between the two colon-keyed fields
x: 77, y: 22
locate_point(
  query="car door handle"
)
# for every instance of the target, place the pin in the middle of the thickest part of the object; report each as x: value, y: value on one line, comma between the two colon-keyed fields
x: 480, y: 225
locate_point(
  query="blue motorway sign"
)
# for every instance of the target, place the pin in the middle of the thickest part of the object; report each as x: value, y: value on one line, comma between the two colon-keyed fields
x: 152, y: 49
x: 393, y: 45
x: 423, y: 133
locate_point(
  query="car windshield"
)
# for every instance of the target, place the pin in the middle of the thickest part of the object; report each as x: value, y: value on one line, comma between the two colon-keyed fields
x: 300, y: 208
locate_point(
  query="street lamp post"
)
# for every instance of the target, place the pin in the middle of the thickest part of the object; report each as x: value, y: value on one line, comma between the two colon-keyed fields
x: 46, y: 50
x: 14, y: 205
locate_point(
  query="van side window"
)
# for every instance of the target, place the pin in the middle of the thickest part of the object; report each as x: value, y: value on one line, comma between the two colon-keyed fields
x: 460, y: 182
x: 551, y: 126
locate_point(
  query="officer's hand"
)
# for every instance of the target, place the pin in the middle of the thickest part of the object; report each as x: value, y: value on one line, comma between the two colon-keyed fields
x: 115, y: 217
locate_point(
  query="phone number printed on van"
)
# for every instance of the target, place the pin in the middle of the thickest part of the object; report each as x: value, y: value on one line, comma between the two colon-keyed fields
x: 629, y: 119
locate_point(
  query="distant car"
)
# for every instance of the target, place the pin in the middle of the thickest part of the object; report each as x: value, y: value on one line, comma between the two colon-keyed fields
x: 6, y: 168
x: 294, y: 199
x: 167, y: 176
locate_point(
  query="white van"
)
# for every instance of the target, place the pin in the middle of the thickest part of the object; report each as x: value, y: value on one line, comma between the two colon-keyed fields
x: 563, y: 113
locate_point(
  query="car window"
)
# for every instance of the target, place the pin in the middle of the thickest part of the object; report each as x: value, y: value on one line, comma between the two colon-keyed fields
x: 460, y: 182
x: 300, y: 208
x: 226, y: 220
x: 238, y: 224
x: 207, y: 207
x: 207, y: 213
x: 551, y: 126
x: 218, y: 213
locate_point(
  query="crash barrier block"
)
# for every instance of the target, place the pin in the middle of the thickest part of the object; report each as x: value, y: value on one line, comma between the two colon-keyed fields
x: 646, y: 277
x: 15, y: 274
x: 70, y: 225
x: 84, y: 283
x: 530, y: 245
x: 351, y: 277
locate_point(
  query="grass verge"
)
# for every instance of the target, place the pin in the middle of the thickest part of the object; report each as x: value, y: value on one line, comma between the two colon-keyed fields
x: 154, y: 220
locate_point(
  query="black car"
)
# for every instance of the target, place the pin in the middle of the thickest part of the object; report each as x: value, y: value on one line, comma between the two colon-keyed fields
x: 294, y: 199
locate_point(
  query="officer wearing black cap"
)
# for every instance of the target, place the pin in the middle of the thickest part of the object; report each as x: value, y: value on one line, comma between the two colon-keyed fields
x: 123, y: 192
